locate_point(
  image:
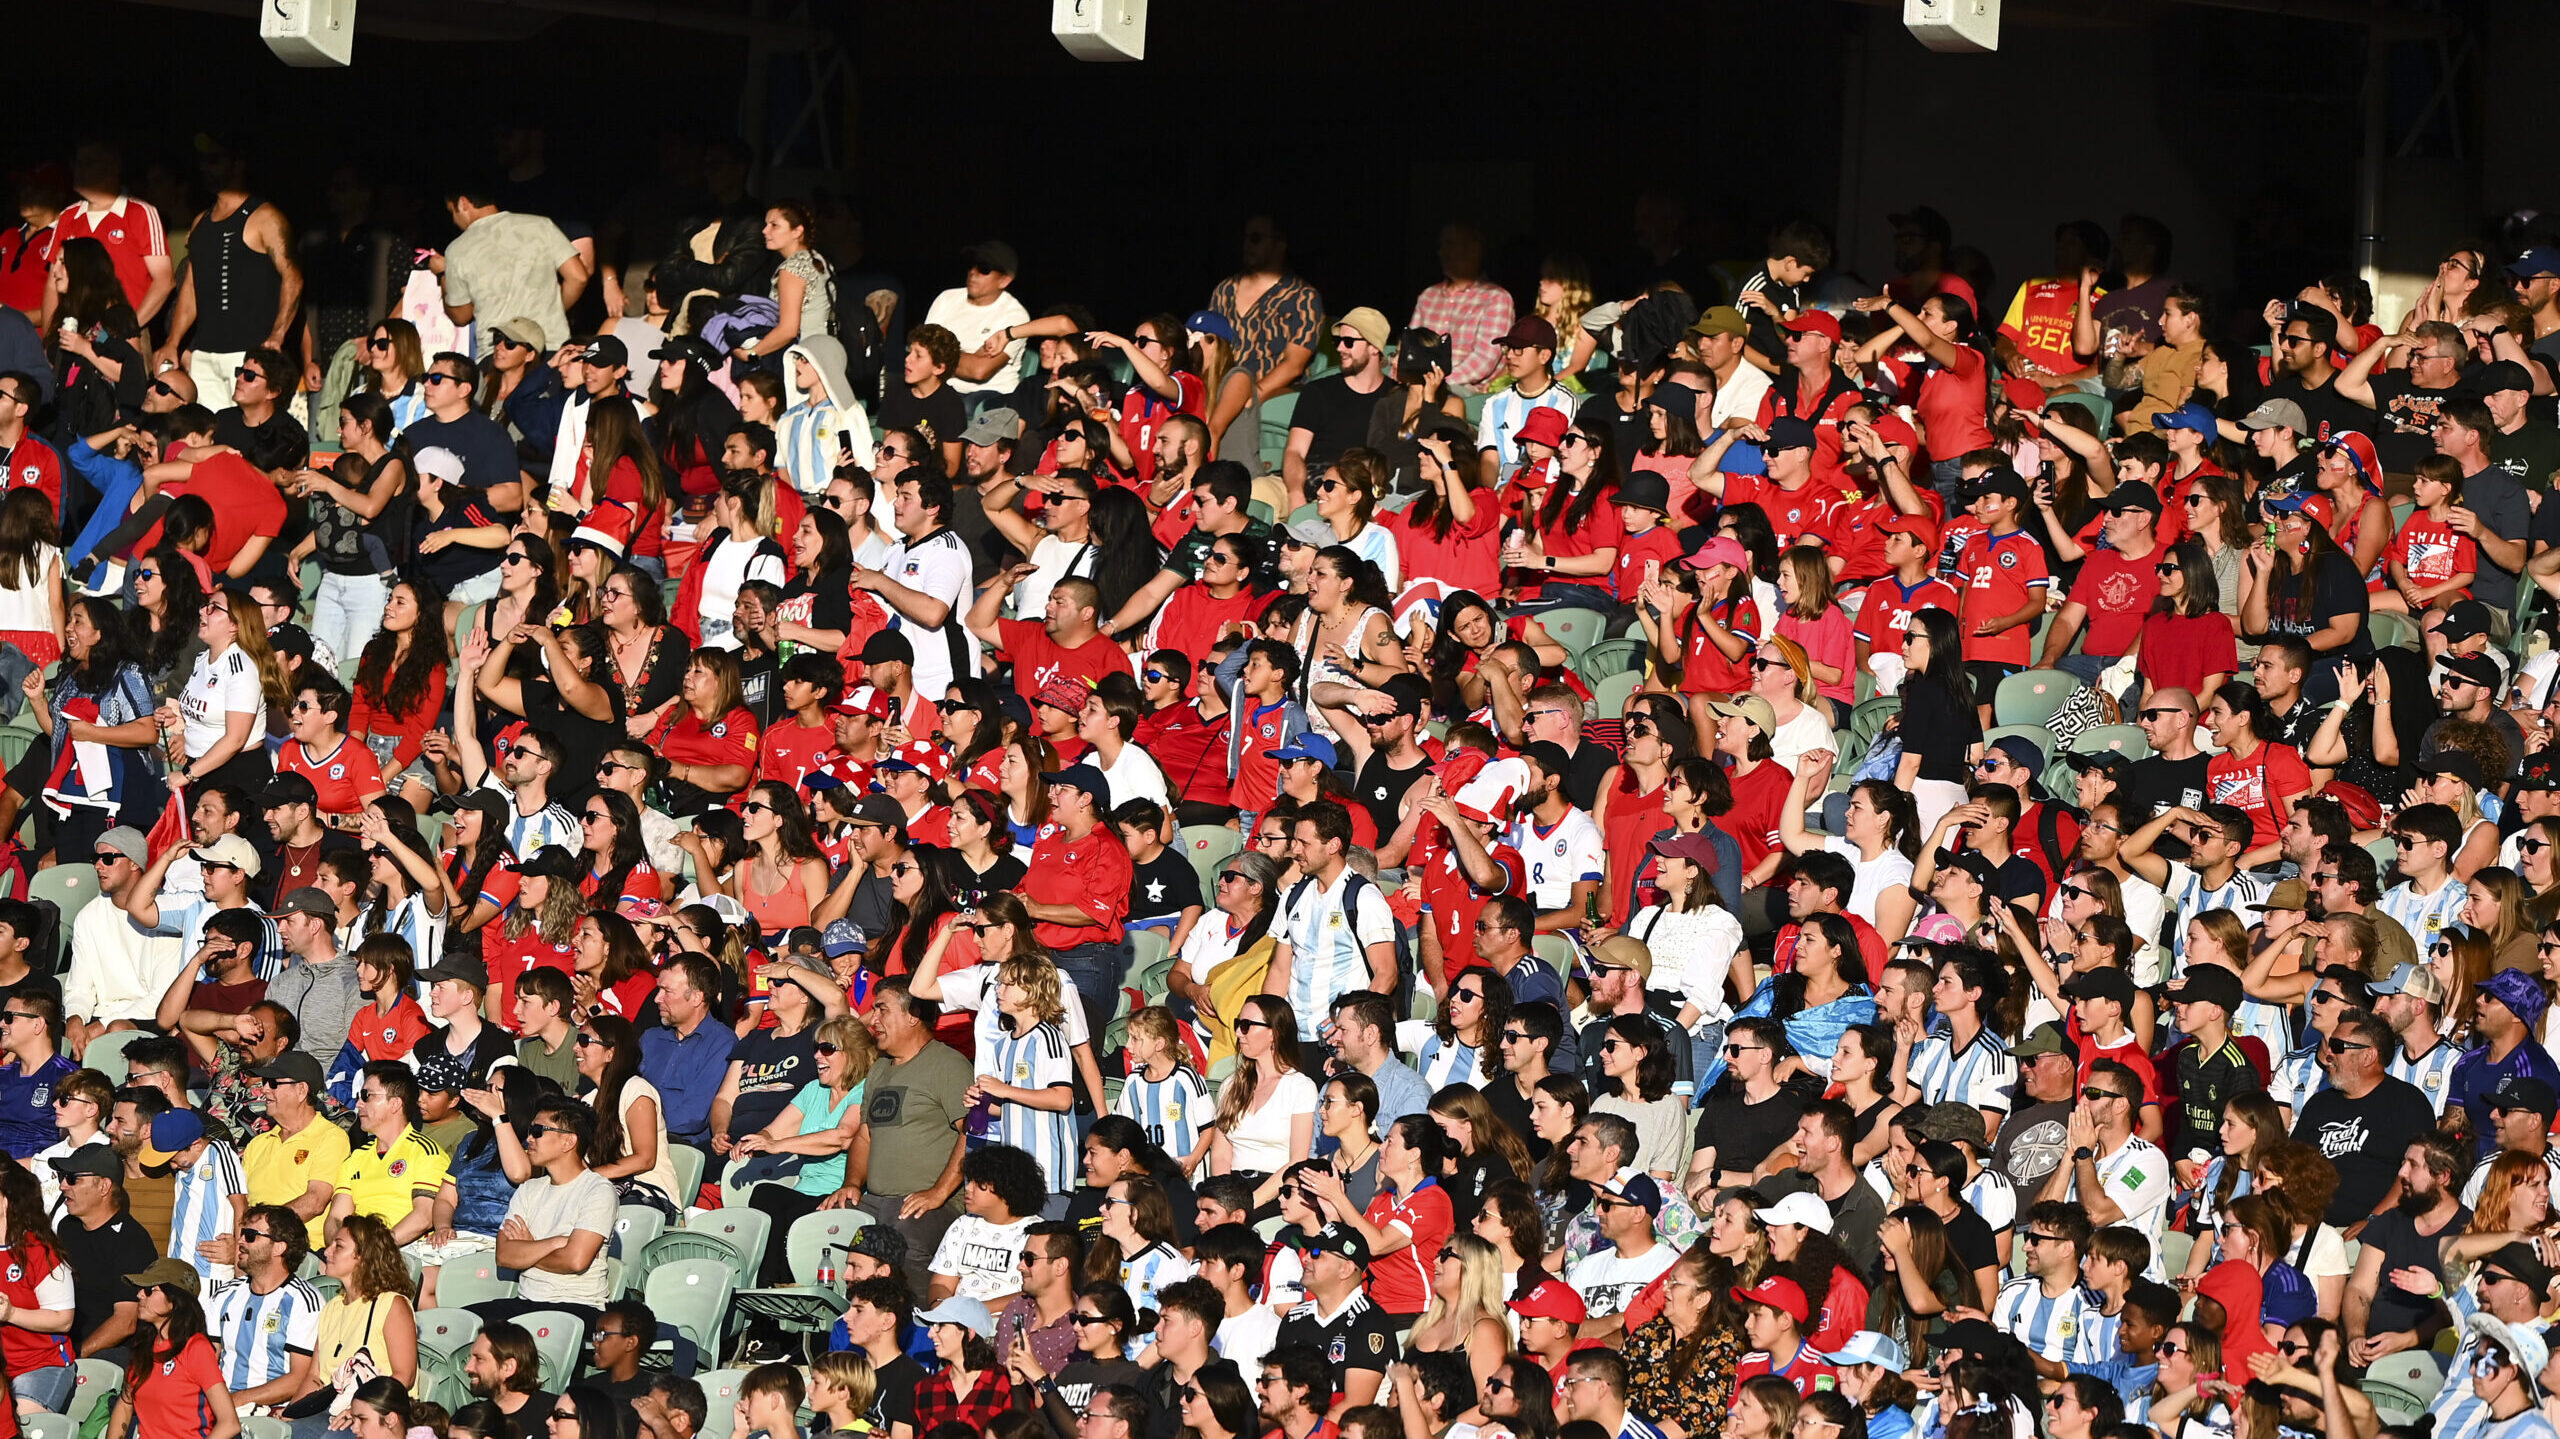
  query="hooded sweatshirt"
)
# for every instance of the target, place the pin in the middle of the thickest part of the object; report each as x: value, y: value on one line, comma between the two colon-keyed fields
x: 807, y: 439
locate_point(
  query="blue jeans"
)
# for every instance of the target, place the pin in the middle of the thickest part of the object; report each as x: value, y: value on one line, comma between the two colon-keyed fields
x: 2085, y: 668
x: 1097, y: 968
x: 48, y: 1389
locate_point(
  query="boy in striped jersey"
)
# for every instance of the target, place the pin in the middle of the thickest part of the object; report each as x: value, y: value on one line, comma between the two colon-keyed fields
x: 2047, y: 1308
x: 267, y: 1323
x: 210, y: 1193
x: 1026, y: 1068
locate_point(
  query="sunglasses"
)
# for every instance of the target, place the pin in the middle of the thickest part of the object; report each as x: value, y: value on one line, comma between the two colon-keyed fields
x: 756, y: 806
x: 588, y: 1041
x: 2341, y: 1046
x: 1244, y: 1024
x: 2091, y: 1091
x: 822, y: 1047
x: 2166, y: 569
x: 158, y: 387
x: 536, y: 1131
x: 245, y: 373
x: 2169, y: 1348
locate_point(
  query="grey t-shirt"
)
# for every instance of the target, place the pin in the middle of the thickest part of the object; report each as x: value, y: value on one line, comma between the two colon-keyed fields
x: 324, y: 998
x: 551, y: 1210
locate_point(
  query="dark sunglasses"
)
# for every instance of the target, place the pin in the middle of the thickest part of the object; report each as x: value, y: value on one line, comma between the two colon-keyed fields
x: 536, y: 1131
x: 823, y: 1047
x: 1244, y: 1024
x: 245, y: 373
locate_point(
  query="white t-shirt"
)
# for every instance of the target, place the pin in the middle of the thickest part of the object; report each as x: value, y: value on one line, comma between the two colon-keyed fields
x: 30, y: 607
x: 974, y: 987
x: 218, y: 689
x: 1558, y: 858
x: 1692, y: 955
x: 1607, y: 1280
x: 1799, y: 737
x: 588, y: 1202
x: 725, y: 571
x: 1739, y: 397
x: 982, y: 1254
x: 1135, y: 776
x: 971, y: 325
x: 936, y: 565
x: 1875, y: 876
x: 1261, y: 1136
x: 1052, y: 560
x: 1245, y: 1338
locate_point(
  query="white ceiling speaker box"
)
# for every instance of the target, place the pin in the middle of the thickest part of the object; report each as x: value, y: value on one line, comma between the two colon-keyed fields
x: 1955, y: 27
x: 308, y: 33
x: 1101, y: 29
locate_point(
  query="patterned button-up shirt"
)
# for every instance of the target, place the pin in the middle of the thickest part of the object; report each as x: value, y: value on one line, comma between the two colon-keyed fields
x: 1473, y: 316
x: 1289, y: 313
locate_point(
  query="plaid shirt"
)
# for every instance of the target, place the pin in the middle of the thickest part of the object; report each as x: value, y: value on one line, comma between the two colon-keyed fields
x: 1473, y: 317
x: 1054, y: 1346
x: 230, y: 1101
x: 991, y: 1396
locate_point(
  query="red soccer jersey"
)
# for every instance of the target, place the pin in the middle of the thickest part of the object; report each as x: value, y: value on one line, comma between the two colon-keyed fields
x: 1807, y: 1371
x: 1143, y: 413
x: 130, y: 229
x: 1191, y: 750
x: 1886, y: 612
x: 1753, y: 820
x: 2434, y: 552
x: 29, y: 1263
x: 1658, y: 545
x: 1704, y: 670
x: 788, y: 752
x: 1400, y: 1283
x: 26, y: 263
x: 1256, y: 781
x: 171, y: 1401
x: 1451, y: 899
x: 2002, y: 573
x: 1192, y: 618
x: 639, y: 893
x: 1469, y: 557
x: 245, y: 503
x: 1092, y: 874
x: 730, y: 739
x: 33, y: 462
x: 1038, y: 659
x: 388, y: 1036
x: 2118, y: 593
x: 508, y: 958
x: 1803, y: 513
x: 344, y: 777
x: 2265, y: 784
x: 2039, y: 323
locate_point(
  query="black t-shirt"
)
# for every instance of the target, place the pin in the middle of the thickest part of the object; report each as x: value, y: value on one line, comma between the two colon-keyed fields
x: 1742, y: 1133
x: 1381, y: 788
x: 759, y: 684
x: 2336, y: 590
x: 2402, y: 1246
x: 102, y: 1257
x: 895, y: 1403
x: 1976, y: 1248
x: 488, y: 456
x: 233, y: 428
x: 1165, y: 885
x: 1335, y: 417
x: 1360, y: 1337
x: 2161, y: 783
x: 2364, y: 1138
x: 2032, y: 1143
x: 2330, y: 413
x: 2020, y: 879
x: 2530, y: 456
x: 939, y: 417
x: 1628, y: 429
x: 1002, y: 875
x: 582, y: 740
x: 2506, y: 510
x: 1582, y: 780
x: 773, y: 1067
x: 820, y: 602
x: 2407, y: 419
x: 1503, y: 1097
x: 1933, y: 726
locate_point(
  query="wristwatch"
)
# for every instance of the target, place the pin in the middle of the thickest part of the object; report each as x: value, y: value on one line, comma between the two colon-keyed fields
x: 2083, y: 1152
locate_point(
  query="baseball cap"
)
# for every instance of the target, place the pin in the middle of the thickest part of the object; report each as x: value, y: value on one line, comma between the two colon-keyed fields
x: 1720, y: 320
x: 234, y: 851
x: 868, y: 700
x: 1973, y: 1336
x: 1066, y: 693
x: 1802, y: 1207
x: 551, y: 861
x: 1212, y: 324
x: 174, y: 1273
x: 843, y: 937
x: 2046, y: 1038
x: 2019, y: 750
x: 1722, y: 550
x: 1339, y: 1239
x: 2415, y: 980
x: 1779, y: 1293
x: 525, y: 331
x: 438, y: 461
x: 1918, y: 527
x: 310, y: 900
x: 290, y: 639
x: 465, y: 967
x: 1751, y: 709
x: 1696, y: 848
x: 1973, y: 862
x: 2112, y: 984
x: 996, y: 257
x: 2463, y: 619
x: 172, y: 1132
x: 2518, y: 1091
x: 878, y: 809
x: 1313, y: 533
x: 2277, y: 414
x: 922, y: 756
x: 2208, y: 984
x: 2501, y: 375
x: 2131, y: 495
x: 288, y: 787
x: 992, y: 427
x: 888, y: 647
x: 1084, y: 777
x: 1895, y: 430
x: 1373, y: 327
x: 1869, y: 1347
x: 1635, y: 1187
x: 2112, y: 762
x: 1624, y: 951
x: 2455, y: 763
x: 2533, y: 264
x: 1549, y: 757
x: 1308, y: 746
x: 98, y: 1159
x: 292, y: 1066
x: 970, y: 1314
x: 2190, y: 416
x: 605, y: 352
x: 1552, y: 1299
x: 1816, y: 322
x: 1529, y: 332
x: 2003, y: 482
x: 1787, y: 432
x: 2474, y: 669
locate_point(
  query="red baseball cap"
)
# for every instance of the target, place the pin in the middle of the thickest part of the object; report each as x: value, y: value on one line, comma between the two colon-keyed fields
x: 1895, y: 430
x: 1778, y: 1292
x: 1918, y: 527
x: 1555, y: 1299
x: 1816, y: 322
x: 1545, y: 426
x: 865, y: 700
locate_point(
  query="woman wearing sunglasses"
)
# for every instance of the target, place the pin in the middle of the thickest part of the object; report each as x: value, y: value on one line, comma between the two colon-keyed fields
x: 631, y: 1120
x: 2190, y: 1382
x: 809, y: 1139
x: 2186, y: 642
x: 1216, y: 1404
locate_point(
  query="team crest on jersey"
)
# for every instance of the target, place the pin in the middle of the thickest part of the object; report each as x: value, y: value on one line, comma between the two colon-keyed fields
x: 720, y: 729
x: 1559, y: 849
x: 43, y: 1096
x: 168, y: 1367
x: 1172, y: 1115
x: 301, y: 1157
x: 29, y: 475
x: 17, y: 1272
x: 272, y: 1323
x: 2008, y: 560
x: 337, y: 771
x: 1270, y: 732
x: 1021, y: 1072
x: 1337, y: 1352
x: 399, y: 1167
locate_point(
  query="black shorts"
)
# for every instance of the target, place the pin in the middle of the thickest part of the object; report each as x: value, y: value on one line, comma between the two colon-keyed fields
x: 1986, y: 676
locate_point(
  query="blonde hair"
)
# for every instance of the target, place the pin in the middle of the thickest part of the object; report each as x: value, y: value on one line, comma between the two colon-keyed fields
x: 849, y: 1370
x: 848, y: 1034
x: 1039, y: 978
x: 1573, y: 300
x: 253, y: 643
x: 1479, y: 1288
x: 1157, y: 1023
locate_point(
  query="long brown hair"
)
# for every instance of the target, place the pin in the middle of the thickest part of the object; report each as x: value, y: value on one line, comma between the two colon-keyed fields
x: 1237, y: 1092
x: 1466, y: 1102
x: 25, y: 524
x: 614, y: 433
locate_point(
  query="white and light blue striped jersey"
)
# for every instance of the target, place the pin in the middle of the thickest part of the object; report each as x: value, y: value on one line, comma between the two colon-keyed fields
x: 1506, y: 410
x: 1036, y: 1059
x: 2459, y: 1413
x: 200, y: 1206
x: 2432, y: 1072
x: 2060, y: 1327
x: 259, y: 1334
x: 1991, y: 1195
x: 1981, y: 1074
x: 1329, y: 949
x: 1170, y: 1109
x: 2425, y: 915
x: 2270, y: 1024
x: 2298, y: 1076
x: 1448, y: 1062
x: 551, y: 824
x: 1154, y: 1267
x: 2188, y: 896
x: 411, y: 924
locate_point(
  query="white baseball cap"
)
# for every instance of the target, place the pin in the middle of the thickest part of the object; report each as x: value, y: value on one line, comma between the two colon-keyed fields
x: 1802, y: 1207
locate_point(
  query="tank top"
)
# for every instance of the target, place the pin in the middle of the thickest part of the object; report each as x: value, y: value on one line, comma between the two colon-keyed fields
x: 785, y: 909
x: 236, y: 287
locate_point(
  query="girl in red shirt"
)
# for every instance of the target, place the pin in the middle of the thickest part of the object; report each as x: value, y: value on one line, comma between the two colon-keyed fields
x: 173, y: 1384
x: 33, y: 1279
x: 1702, y: 623
x: 534, y: 929
x: 2187, y: 641
x: 400, y: 687
x: 619, y: 876
x: 391, y: 1024
x: 1952, y: 397
x: 1452, y: 530
x: 708, y: 737
x: 1571, y: 541
x: 613, y: 966
x: 1812, y: 620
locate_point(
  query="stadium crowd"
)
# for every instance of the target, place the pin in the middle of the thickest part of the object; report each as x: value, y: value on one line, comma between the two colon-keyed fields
x: 1773, y: 854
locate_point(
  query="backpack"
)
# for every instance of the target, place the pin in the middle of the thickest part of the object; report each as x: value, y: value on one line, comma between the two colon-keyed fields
x: 866, y: 349
x: 1353, y: 880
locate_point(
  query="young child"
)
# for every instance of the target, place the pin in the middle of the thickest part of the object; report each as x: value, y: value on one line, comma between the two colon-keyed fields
x: 2003, y: 580
x: 1648, y: 545
x: 1163, y: 1094
x: 841, y: 1388
x: 2431, y: 563
x: 1910, y: 548
x: 1265, y: 719
x: 1164, y: 890
x: 390, y: 1024
x: 769, y: 1402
